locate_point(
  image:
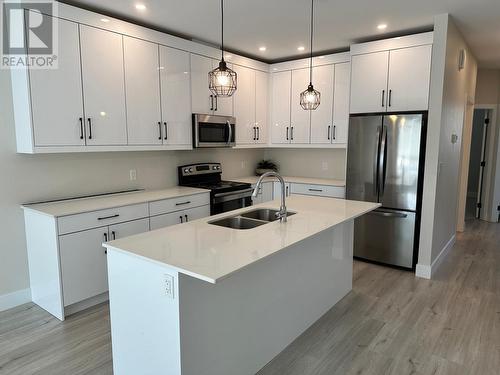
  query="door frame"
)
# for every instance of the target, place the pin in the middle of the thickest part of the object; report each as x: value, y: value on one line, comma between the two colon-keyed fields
x: 484, y: 147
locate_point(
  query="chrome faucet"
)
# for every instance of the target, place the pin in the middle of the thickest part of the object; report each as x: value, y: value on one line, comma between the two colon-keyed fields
x: 282, y: 214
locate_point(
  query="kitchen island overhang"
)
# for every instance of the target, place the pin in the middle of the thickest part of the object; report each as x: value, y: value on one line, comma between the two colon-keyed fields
x: 201, y: 299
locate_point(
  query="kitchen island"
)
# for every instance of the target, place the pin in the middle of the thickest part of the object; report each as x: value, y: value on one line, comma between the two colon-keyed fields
x: 199, y: 298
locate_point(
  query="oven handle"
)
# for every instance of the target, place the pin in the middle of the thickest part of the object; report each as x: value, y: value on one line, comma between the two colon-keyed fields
x: 230, y: 132
x: 237, y: 192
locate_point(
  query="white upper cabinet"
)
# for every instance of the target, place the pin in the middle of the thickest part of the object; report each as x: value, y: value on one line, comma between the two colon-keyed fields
x: 409, y: 78
x: 142, y: 85
x: 261, y: 107
x: 175, y: 96
x: 56, y: 94
x: 369, y: 82
x: 203, y: 100
x: 103, y: 86
x: 244, y: 106
x: 341, y: 103
x: 280, y: 107
x: 322, y: 117
x: 300, y: 126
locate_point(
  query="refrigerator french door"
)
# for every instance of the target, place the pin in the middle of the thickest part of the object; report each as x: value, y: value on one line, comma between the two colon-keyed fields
x: 385, y: 156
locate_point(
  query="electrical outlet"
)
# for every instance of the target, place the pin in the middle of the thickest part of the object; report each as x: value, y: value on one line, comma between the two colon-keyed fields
x: 133, y: 174
x: 243, y: 164
x: 324, y: 165
x: 168, y: 286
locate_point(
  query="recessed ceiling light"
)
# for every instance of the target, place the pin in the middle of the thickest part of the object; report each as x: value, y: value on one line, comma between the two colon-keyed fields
x: 105, y: 20
x: 263, y: 48
x: 140, y: 6
x: 382, y: 26
x: 301, y: 48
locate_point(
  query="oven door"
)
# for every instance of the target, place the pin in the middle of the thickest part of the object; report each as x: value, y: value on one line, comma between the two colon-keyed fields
x: 213, y: 131
x: 224, y: 202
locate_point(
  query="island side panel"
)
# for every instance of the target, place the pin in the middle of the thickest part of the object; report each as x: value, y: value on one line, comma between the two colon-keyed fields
x: 236, y: 326
x: 144, y: 319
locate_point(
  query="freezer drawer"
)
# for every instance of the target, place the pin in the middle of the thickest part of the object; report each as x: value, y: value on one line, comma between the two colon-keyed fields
x: 385, y: 236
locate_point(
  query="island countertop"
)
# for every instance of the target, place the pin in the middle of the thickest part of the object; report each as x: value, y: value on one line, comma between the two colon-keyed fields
x: 210, y: 252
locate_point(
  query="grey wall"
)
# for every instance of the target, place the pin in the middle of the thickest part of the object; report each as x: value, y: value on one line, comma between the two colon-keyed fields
x: 475, y: 153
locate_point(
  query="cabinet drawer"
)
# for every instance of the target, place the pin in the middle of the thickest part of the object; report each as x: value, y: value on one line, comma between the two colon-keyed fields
x: 179, y: 217
x: 319, y: 190
x: 181, y: 203
x: 94, y: 219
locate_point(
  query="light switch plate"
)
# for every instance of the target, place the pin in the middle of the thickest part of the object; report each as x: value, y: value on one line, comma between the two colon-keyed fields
x: 133, y: 175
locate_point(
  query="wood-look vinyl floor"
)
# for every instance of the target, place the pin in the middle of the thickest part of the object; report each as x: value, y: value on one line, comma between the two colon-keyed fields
x: 392, y: 323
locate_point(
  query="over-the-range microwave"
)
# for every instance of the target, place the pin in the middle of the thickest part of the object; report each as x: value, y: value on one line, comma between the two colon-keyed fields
x: 213, y: 131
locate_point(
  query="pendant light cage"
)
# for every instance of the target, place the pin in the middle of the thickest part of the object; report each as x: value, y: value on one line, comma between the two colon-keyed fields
x: 222, y: 81
x: 310, y: 99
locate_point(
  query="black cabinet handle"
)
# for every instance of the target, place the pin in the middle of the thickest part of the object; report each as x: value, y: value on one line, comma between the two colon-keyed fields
x: 291, y: 133
x: 329, y: 127
x: 81, y: 127
x: 113, y: 234
x: 105, y: 237
x: 159, y: 130
x: 166, y: 130
x: 383, y: 98
x: 334, y: 132
x: 180, y: 217
x: 89, y: 120
x: 186, y: 216
x: 182, y: 203
x: 258, y: 133
x: 390, y: 98
x: 254, y: 133
x: 211, y: 102
x: 108, y: 217
x: 216, y: 102
x: 316, y: 190
x: 287, y: 133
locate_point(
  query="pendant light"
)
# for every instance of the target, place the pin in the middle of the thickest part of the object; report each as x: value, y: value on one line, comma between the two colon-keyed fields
x: 310, y: 98
x: 222, y: 80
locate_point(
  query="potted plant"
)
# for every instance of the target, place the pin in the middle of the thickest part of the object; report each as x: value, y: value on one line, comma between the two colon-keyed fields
x: 266, y: 166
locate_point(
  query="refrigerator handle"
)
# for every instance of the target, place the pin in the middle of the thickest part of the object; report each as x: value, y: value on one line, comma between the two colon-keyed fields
x: 376, y: 162
x: 382, y: 162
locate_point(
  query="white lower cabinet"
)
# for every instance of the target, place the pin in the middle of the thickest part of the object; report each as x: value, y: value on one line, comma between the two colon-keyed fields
x: 318, y: 190
x: 277, y: 190
x: 265, y: 193
x: 179, y: 217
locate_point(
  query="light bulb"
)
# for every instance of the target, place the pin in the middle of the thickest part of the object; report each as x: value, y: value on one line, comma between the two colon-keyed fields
x: 223, y: 80
x: 310, y: 98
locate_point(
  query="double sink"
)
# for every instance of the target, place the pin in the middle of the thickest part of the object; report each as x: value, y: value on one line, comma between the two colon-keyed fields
x: 250, y: 219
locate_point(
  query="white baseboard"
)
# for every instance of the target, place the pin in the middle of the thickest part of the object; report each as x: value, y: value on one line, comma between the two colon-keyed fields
x: 19, y: 297
x: 425, y: 271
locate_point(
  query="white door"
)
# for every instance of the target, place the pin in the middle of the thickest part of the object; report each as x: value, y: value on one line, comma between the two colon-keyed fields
x: 197, y: 213
x: 300, y: 118
x: 83, y: 264
x: 280, y: 107
x: 322, y: 117
x: 128, y: 229
x: 341, y: 103
x: 369, y: 82
x: 175, y: 96
x: 261, y: 97
x: 244, y: 106
x: 142, y: 87
x: 409, y: 78
x: 56, y: 94
x: 103, y: 86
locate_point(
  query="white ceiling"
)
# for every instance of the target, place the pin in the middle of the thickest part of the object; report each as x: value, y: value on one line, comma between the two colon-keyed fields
x: 283, y: 25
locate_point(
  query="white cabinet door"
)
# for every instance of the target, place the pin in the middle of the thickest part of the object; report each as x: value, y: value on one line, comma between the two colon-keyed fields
x: 197, y: 213
x: 321, y: 117
x: 179, y: 217
x: 265, y: 193
x: 280, y: 110
x: 175, y: 96
x: 202, y: 100
x: 369, y: 82
x: 142, y: 87
x: 300, y: 126
x: 341, y: 103
x: 128, y: 229
x: 56, y: 94
x: 244, y: 106
x: 409, y: 78
x: 103, y: 86
x: 261, y: 98
x: 277, y: 190
x: 83, y: 264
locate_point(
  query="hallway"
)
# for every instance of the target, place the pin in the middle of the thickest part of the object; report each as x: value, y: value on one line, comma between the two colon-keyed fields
x: 391, y: 323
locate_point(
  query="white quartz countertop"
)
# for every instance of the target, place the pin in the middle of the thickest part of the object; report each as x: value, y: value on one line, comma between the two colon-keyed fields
x: 211, y: 253
x: 299, y: 180
x: 81, y: 205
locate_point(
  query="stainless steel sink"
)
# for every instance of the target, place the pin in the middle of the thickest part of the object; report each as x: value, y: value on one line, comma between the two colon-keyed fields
x: 265, y: 214
x: 238, y: 222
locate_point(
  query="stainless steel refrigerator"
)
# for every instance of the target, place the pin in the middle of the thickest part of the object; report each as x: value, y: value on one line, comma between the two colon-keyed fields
x: 385, y: 164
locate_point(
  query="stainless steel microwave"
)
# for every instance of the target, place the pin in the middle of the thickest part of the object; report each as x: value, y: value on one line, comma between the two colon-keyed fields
x: 213, y: 131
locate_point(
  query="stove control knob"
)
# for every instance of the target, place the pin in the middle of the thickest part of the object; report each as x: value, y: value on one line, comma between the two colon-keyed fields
x: 218, y: 167
x: 190, y: 170
x: 186, y: 170
x: 214, y: 167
